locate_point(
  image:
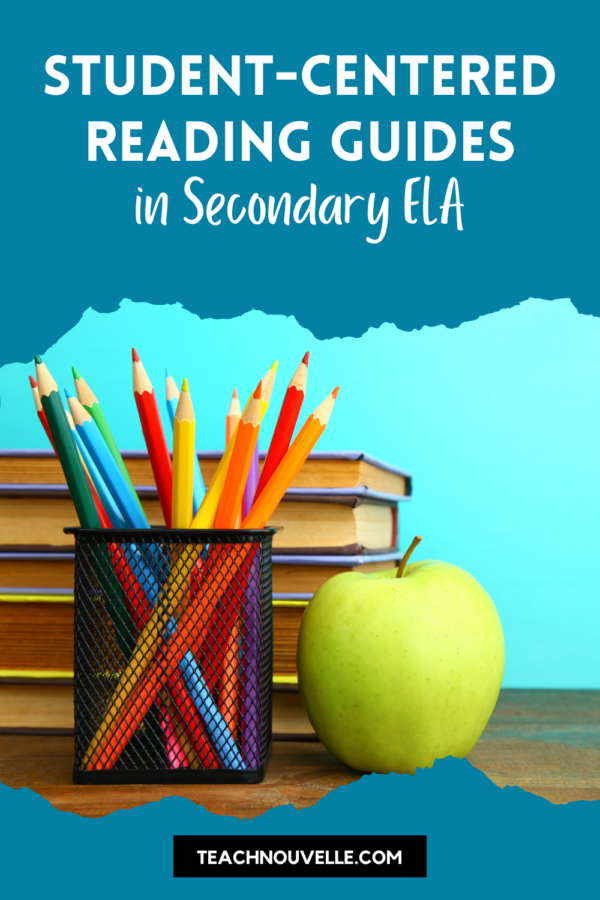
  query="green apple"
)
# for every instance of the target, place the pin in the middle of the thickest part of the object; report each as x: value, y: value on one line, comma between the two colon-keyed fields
x: 396, y: 672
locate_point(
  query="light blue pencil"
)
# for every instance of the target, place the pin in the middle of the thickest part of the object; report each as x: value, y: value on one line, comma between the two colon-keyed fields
x: 112, y: 510
x: 172, y: 398
x: 216, y: 724
x: 105, y: 462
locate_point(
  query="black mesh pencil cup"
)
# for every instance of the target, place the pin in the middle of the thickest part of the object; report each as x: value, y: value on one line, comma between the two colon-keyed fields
x: 173, y: 655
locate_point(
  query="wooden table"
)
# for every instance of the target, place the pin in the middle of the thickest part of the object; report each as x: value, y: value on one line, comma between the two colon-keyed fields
x: 547, y: 742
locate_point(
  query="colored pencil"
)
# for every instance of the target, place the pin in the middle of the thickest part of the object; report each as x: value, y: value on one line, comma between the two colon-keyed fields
x: 184, y: 430
x: 142, y: 592
x: 290, y: 465
x: 172, y: 400
x: 39, y: 409
x: 172, y: 392
x: 229, y: 694
x: 91, y: 404
x: 286, y: 423
x: 205, y: 517
x: 65, y: 447
x: 251, y: 673
x: 132, y: 514
x: 233, y: 416
x: 184, y: 620
x: 154, y: 436
x: 215, y: 723
x: 231, y: 421
x: 140, y: 682
x: 148, y: 642
x: 110, y: 508
x: 102, y: 514
x: 253, y: 473
x: 81, y: 494
x: 241, y: 457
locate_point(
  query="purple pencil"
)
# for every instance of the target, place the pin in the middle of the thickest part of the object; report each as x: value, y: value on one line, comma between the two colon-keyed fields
x: 253, y: 475
x: 251, y: 668
x: 251, y: 484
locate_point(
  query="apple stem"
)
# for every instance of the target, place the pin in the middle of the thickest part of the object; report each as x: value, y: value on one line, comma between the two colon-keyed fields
x: 416, y: 541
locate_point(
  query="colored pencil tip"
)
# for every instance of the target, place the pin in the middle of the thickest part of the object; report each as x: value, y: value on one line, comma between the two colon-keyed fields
x: 135, y: 355
x: 184, y: 386
x: 305, y: 357
x: 32, y: 382
x: 335, y: 393
x: 167, y: 373
x: 38, y: 360
x: 235, y: 393
x: 258, y: 392
x: 75, y: 372
x: 274, y: 366
x: 68, y: 393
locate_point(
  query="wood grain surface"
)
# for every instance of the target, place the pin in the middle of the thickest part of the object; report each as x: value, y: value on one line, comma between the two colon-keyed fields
x: 547, y: 742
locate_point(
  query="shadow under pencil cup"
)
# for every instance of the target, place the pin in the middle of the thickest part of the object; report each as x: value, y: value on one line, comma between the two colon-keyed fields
x: 173, y: 655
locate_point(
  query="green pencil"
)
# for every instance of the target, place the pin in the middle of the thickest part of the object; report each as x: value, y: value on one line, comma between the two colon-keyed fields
x: 90, y: 402
x: 83, y: 500
x: 65, y: 447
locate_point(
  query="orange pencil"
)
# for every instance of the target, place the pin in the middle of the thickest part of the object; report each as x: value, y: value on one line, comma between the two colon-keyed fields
x: 290, y: 465
x: 290, y: 410
x: 229, y: 706
x: 233, y: 416
x: 243, y: 448
x: 154, y: 436
x: 40, y: 410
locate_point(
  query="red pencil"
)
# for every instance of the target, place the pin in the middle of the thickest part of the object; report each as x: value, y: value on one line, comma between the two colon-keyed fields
x: 40, y: 410
x: 282, y: 436
x: 154, y: 436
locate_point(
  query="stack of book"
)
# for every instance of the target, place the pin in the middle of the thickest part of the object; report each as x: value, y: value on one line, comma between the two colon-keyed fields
x: 339, y: 515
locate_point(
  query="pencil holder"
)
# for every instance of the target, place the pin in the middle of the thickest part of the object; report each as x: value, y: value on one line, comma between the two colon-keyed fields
x: 173, y: 655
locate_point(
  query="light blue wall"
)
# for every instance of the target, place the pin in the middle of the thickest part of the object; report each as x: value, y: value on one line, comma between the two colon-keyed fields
x: 498, y: 420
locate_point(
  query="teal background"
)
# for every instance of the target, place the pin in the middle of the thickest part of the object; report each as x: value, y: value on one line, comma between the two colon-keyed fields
x: 497, y: 420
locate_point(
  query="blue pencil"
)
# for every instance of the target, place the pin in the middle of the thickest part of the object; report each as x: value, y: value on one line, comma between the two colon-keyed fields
x: 172, y: 398
x: 105, y: 462
x: 105, y: 495
x: 216, y: 724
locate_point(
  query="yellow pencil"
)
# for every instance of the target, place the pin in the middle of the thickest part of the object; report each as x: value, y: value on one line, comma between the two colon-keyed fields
x: 184, y: 433
x: 267, y: 389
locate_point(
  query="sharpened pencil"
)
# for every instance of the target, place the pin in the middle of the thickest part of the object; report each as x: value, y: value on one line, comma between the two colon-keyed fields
x: 40, y: 411
x: 290, y: 465
x: 110, y: 508
x: 184, y: 431
x: 65, y: 447
x: 233, y: 416
x: 130, y: 510
x: 172, y: 400
x: 253, y: 473
x: 154, y: 436
x: 241, y: 457
x: 286, y: 423
x: 91, y: 404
